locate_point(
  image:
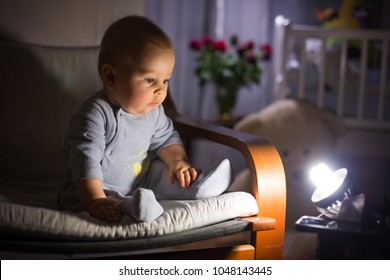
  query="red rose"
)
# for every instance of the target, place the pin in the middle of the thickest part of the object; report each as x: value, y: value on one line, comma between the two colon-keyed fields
x: 195, y: 45
x: 266, y: 50
x: 220, y: 45
x: 251, y: 56
x: 241, y: 50
x: 207, y: 40
x: 248, y: 45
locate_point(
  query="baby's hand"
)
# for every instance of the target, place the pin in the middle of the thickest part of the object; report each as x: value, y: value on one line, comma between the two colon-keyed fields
x: 184, y: 172
x: 104, y: 209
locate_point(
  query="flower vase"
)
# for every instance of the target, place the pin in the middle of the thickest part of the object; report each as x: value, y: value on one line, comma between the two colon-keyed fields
x: 226, y: 99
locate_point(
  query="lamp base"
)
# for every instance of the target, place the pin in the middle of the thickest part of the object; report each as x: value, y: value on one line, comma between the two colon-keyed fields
x: 318, y: 224
x: 348, y: 210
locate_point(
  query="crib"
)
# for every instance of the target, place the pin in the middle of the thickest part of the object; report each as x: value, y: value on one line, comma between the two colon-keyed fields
x: 346, y: 71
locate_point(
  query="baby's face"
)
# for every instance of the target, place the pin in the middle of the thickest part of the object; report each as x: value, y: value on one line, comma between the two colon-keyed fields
x: 145, y: 86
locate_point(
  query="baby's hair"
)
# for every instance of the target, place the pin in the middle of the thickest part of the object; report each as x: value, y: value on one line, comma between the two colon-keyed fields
x: 127, y: 38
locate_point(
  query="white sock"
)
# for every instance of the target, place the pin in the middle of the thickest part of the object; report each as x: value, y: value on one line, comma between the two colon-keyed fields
x: 211, y: 183
x: 142, y: 206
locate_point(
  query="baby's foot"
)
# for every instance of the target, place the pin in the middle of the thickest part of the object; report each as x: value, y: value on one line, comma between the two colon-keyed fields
x: 208, y: 184
x: 213, y: 182
x: 142, y: 206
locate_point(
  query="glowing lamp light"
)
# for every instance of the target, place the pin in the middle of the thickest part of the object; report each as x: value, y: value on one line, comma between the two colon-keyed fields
x: 332, y: 188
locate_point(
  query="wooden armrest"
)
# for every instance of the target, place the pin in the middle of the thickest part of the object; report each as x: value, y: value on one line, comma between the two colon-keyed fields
x: 264, y: 163
x: 260, y: 223
x: 266, y: 172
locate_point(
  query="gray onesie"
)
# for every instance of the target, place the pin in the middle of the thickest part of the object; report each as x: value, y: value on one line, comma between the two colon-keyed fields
x: 105, y: 142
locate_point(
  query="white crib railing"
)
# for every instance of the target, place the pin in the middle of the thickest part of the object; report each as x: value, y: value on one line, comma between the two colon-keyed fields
x: 284, y: 31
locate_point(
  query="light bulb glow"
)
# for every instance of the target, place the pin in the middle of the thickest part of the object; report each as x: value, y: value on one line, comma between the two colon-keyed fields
x: 322, y: 176
x: 326, y: 181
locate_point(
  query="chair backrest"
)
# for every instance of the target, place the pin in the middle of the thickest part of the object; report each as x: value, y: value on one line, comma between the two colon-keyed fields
x: 40, y: 88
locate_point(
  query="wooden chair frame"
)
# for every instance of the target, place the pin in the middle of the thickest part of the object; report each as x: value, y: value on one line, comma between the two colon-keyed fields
x: 267, y: 182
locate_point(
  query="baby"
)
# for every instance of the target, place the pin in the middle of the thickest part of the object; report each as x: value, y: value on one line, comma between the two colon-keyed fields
x: 122, y: 154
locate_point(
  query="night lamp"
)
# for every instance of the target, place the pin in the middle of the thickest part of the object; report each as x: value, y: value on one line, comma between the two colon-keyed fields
x: 334, y: 196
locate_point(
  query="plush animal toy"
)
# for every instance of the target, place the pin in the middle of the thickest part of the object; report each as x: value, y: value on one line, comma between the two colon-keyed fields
x: 303, y: 135
x: 343, y: 17
x: 352, y: 14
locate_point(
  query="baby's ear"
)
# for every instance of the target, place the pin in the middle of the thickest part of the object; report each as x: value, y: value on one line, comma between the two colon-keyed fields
x: 107, y: 74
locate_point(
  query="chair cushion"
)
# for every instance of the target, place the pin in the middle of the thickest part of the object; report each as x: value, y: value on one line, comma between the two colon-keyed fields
x: 19, y: 219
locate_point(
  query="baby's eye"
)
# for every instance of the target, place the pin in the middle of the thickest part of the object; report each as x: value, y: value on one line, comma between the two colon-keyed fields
x: 166, y: 82
x: 149, y: 80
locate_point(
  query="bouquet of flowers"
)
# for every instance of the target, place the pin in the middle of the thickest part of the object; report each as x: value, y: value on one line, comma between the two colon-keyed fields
x: 229, y: 66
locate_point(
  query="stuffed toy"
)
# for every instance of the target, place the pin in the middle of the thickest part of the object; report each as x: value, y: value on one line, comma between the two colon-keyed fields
x: 352, y: 14
x: 346, y: 16
x: 304, y: 135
